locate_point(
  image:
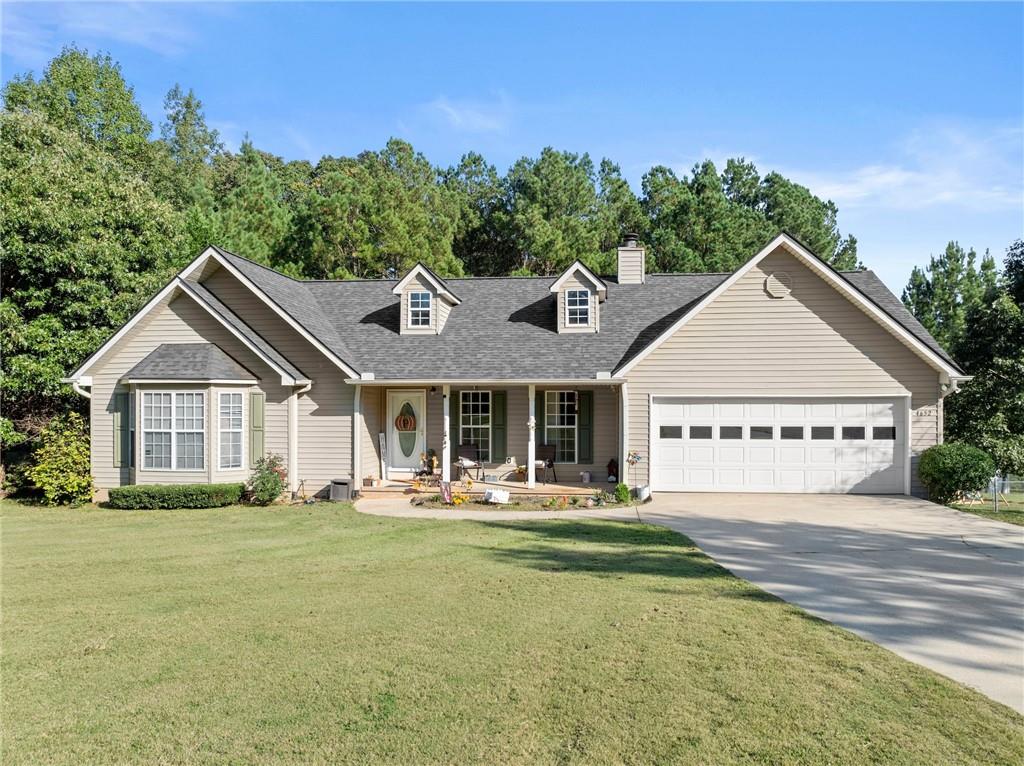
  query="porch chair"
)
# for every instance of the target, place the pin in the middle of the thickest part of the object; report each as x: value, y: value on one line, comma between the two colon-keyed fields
x: 468, y: 459
x: 545, y: 461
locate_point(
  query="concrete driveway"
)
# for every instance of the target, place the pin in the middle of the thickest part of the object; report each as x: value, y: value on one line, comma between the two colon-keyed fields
x: 939, y: 587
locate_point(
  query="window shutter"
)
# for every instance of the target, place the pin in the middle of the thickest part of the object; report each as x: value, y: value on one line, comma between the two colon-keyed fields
x: 454, y: 411
x: 585, y: 424
x: 122, y: 436
x: 257, y: 402
x: 538, y: 414
x: 499, y: 430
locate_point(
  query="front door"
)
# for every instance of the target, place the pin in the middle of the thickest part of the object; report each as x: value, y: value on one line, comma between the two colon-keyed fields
x: 407, y: 430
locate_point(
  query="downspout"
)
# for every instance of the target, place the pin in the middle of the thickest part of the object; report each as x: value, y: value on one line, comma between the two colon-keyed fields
x: 79, y: 390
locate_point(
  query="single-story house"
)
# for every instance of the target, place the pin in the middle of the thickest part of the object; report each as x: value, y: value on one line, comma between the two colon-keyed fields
x: 783, y: 376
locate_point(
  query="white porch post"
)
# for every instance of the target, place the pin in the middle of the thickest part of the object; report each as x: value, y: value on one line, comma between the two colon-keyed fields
x: 531, y: 445
x: 446, y: 441
x: 357, y: 438
x: 624, y: 432
x: 293, y: 441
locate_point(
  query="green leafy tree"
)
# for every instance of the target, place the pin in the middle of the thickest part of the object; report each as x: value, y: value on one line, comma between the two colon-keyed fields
x: 482, y: 239
x: 86, y: 95
x: 191, y: 144
x: 942, y: 294
x: 619, y: 211
x: 1013, y: 271
x: 254, y: 218
x: 85, y: 242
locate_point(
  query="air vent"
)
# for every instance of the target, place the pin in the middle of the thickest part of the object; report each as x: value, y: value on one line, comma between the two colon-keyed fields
x: 778, y: 285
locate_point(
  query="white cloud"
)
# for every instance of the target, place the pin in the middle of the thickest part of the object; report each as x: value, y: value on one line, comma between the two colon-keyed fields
x: 472, y: 116
x: 940, y: 165
x: 34, y: 32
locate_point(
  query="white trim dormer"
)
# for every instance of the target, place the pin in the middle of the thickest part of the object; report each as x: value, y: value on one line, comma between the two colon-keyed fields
x: 578, y: 295
x: 419, y: 271
x: 425, y: 302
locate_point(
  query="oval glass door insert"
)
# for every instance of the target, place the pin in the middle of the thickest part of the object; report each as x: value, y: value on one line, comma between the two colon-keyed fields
x: 405, y: 424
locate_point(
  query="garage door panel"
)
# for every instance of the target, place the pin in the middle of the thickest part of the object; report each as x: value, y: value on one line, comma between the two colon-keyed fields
x: 785, y: 445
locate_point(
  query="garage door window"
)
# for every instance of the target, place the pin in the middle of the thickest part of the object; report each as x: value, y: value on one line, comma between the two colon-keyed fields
x: 823, y: 432
x: 853, y: 432
x: 792, y: 432
x: 670, y: 432
x: 762, y: 432
x: 885, y: 433
x: 730, y: 432
x: 700, y: 432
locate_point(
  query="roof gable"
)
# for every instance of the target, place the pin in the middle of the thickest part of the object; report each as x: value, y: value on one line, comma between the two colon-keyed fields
x: 578, y: 267
x: 836, y: 279
x: 177, y: 362
x: 423, y: 273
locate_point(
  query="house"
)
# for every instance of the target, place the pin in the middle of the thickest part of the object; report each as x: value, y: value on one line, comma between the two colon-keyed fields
x: 784, y: 376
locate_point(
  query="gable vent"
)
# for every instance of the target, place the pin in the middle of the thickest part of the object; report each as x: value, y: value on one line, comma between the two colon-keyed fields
x: 778, y: 284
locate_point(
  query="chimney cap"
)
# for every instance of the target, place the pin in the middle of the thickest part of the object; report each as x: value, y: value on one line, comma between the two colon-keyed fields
x: 629, y: 239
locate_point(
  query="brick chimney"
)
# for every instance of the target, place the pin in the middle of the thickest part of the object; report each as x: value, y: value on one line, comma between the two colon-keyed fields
x: 631, y: 261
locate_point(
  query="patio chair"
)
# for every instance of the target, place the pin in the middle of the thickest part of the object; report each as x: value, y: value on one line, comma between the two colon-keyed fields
x: 468, y: 459
x: 546, y: 461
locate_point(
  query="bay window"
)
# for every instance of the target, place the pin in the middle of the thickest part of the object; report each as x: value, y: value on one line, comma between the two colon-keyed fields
x: 173, y: 431
x: 560, y: 422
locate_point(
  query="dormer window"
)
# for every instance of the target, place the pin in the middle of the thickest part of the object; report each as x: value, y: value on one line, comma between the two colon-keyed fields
x: 577, y: 308
x: 419, y: 309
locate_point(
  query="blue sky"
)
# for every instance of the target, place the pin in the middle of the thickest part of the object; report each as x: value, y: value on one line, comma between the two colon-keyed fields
x: 908, y: 116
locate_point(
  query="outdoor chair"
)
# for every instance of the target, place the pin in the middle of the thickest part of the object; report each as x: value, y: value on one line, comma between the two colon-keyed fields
x: 546, y: 461
x: 468, y: 459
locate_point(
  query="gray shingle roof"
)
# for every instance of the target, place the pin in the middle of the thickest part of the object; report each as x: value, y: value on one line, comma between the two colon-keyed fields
x: 505, y: 326
x: 202, y: 293
x: 188, y: 361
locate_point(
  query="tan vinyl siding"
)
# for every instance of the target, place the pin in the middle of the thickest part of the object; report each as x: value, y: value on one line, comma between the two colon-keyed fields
x: 175, y: 320
x: 577, y: 282
x: 372, y: 405
x: 325, y: 412
x: 631, y: 265
x: 812, y: 342
x: 443, y: 310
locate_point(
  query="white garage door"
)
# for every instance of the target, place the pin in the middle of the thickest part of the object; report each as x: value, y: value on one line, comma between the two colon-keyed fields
x: 785, y: 445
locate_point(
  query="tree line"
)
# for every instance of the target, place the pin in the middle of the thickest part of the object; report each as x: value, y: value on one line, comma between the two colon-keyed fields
x: 100, y: 209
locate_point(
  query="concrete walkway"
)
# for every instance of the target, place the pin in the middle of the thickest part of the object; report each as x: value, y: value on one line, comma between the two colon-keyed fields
x: 939, y: 587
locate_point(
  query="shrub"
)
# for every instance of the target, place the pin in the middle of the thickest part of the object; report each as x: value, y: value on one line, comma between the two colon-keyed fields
x: 622, y: 493
x: 61, y: 464
x: 173, y: 496
x: 954, y: 469
x: 268, y: 480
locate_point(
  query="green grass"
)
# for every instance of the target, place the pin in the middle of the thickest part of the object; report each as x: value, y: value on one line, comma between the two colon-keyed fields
x: 318, y: 635
x: 1010, y: 511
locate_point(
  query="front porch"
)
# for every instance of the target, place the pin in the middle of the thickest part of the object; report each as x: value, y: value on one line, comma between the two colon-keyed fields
x: 390, y: 487
x: 508, y: 427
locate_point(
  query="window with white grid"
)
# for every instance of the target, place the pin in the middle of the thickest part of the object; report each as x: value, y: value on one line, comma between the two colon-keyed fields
x: 560, y: 424
x: 419, y: 309
x: 230, y: 430
x: 475, y: 422
x: 173, y: 431
x: 577, y: 308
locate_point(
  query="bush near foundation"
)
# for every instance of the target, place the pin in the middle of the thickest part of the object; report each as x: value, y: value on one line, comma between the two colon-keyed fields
x: 955, y: 469
x: 150, y: 497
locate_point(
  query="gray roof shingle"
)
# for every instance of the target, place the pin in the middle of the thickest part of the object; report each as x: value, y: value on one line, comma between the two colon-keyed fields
x: 188, y: 361
x: 505, y: 326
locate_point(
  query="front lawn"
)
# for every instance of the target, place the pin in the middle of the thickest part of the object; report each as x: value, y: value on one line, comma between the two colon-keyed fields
x: 1011, y: 508
x: 318, y: 635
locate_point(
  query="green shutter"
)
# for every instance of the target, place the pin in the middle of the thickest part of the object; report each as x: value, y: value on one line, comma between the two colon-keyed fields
x: 585, y: 426
x: 122, y: 435
x: 538, y: 415
x: 499, y: 428
x: 257, y: 403
x: 454, y: 410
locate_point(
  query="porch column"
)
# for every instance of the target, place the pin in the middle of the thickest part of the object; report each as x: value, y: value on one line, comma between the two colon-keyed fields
x: 293, y: 441
x: 531, y: 445
x: 446, y: 441
x: 624, y: 433
x: 357, y: 438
